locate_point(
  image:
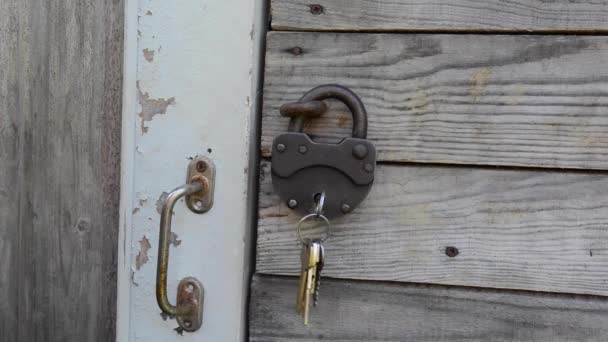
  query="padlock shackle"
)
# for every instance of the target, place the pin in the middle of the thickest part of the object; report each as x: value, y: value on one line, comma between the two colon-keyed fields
x: 323, y: 92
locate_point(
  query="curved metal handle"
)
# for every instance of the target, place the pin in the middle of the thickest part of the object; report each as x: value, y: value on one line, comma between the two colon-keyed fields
x: 188, y: 309
x: 310, y: 105
x: 163, y: 246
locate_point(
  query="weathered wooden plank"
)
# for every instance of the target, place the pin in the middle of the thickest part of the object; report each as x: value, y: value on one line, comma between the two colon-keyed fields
x: 60, y: 105
x: 372, y: 311
x: 441, y: 15
x: 519, y: 100
x: 516, y: 229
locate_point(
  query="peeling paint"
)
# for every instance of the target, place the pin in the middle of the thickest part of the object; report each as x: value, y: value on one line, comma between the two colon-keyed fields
x: 173, y: 240
x: 133, y: 279
x: 135, y: 210
x: 151, y: 107
x: 160, y: 201
x: 142, y: 256
x: 148, y: 12
x: 148, y: 54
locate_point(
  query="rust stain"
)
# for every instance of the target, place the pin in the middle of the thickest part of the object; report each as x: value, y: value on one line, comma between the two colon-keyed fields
x: 142, y: 256
x: 419, y: 215
x: 265, y: 151
x: 342, y: 119
x: 151, y: 107
x: 148, y: 54
x: 479, y: 80
x: 517, y: 94
x: 419, y: 102
x: 173, y: 240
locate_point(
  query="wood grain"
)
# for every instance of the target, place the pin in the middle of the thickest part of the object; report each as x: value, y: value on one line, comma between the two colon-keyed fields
x: 514, y: 229
x: 60, y: 113
x: 442, y: 15
x: 515, y: 100
x: 373, y: 311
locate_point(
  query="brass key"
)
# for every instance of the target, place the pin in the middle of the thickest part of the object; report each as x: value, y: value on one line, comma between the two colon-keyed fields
x: 311, y: 255
x: 304, y: 256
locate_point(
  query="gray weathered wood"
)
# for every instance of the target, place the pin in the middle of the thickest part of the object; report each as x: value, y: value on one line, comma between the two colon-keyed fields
x: 60, y: 105
x: 468, y: 99
x: 515, y: 229
x: 442, y: 15
x: 372, y: 311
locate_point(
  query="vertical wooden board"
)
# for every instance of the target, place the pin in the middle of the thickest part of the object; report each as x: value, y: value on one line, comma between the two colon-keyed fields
x: 441, y: 15
x: 515, y: 100
x: 60, y: 105
x: 350, y: 311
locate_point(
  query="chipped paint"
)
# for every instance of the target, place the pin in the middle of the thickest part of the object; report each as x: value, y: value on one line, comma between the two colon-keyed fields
x: 173, y: 239
x: 148, y: 54
x: 151, y: 107
x: 142, y: 256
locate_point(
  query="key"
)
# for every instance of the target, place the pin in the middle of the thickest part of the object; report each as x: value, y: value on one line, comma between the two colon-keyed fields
x: 310, y: 259
x: 320, y: 264
x: 304, y: 256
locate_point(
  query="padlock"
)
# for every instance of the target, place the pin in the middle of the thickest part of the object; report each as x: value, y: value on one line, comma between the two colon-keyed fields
x: 303, y: 169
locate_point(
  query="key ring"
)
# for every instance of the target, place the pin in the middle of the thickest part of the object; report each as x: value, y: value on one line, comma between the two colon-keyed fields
x: 314, y: 215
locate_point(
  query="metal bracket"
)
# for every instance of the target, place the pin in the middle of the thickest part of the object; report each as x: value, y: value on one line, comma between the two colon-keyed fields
x: 189, y: 304
x: 201, y: 170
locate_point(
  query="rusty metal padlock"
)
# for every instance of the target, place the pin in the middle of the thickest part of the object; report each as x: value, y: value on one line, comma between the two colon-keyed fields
x: 303, y: 169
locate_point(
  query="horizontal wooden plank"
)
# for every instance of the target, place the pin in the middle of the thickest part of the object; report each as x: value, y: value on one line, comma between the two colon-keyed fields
x: 441, y: 15
x: 538, y: 101
x: 517, y: 229
x: 368, y: 311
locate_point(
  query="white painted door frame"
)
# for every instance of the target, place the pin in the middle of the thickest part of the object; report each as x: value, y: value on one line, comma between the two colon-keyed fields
x: 191, y: 85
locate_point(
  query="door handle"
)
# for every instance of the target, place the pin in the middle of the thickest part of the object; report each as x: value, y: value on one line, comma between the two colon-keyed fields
x: 198, y: 190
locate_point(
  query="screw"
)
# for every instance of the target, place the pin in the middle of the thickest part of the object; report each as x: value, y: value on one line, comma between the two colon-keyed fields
x: 360, y: 151
x: 281, y: 147
x: 187, y: 323
x: 296, y: 50
x: 302, y: 149
x: 346, y: 208
x: 292, y: 203
x: 199, y: 203
x: 451, y: 251
x: 201, y: 166
x: 316, y: 9
x: 368, y: 167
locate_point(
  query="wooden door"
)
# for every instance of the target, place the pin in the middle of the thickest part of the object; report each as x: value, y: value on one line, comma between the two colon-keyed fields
x: 60, y: 125
x: 488, y: 217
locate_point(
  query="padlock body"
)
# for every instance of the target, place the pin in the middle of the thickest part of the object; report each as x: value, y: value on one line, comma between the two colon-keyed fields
x: 303, y: 169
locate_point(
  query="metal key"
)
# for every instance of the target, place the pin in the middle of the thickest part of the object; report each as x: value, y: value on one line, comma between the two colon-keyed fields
x: 310, y: 259
x: 320, y: 264
x: 304, y: 256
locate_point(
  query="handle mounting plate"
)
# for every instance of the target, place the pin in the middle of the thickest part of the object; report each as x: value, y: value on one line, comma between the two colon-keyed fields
x: 201, y: 170
x: 190, y: 298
